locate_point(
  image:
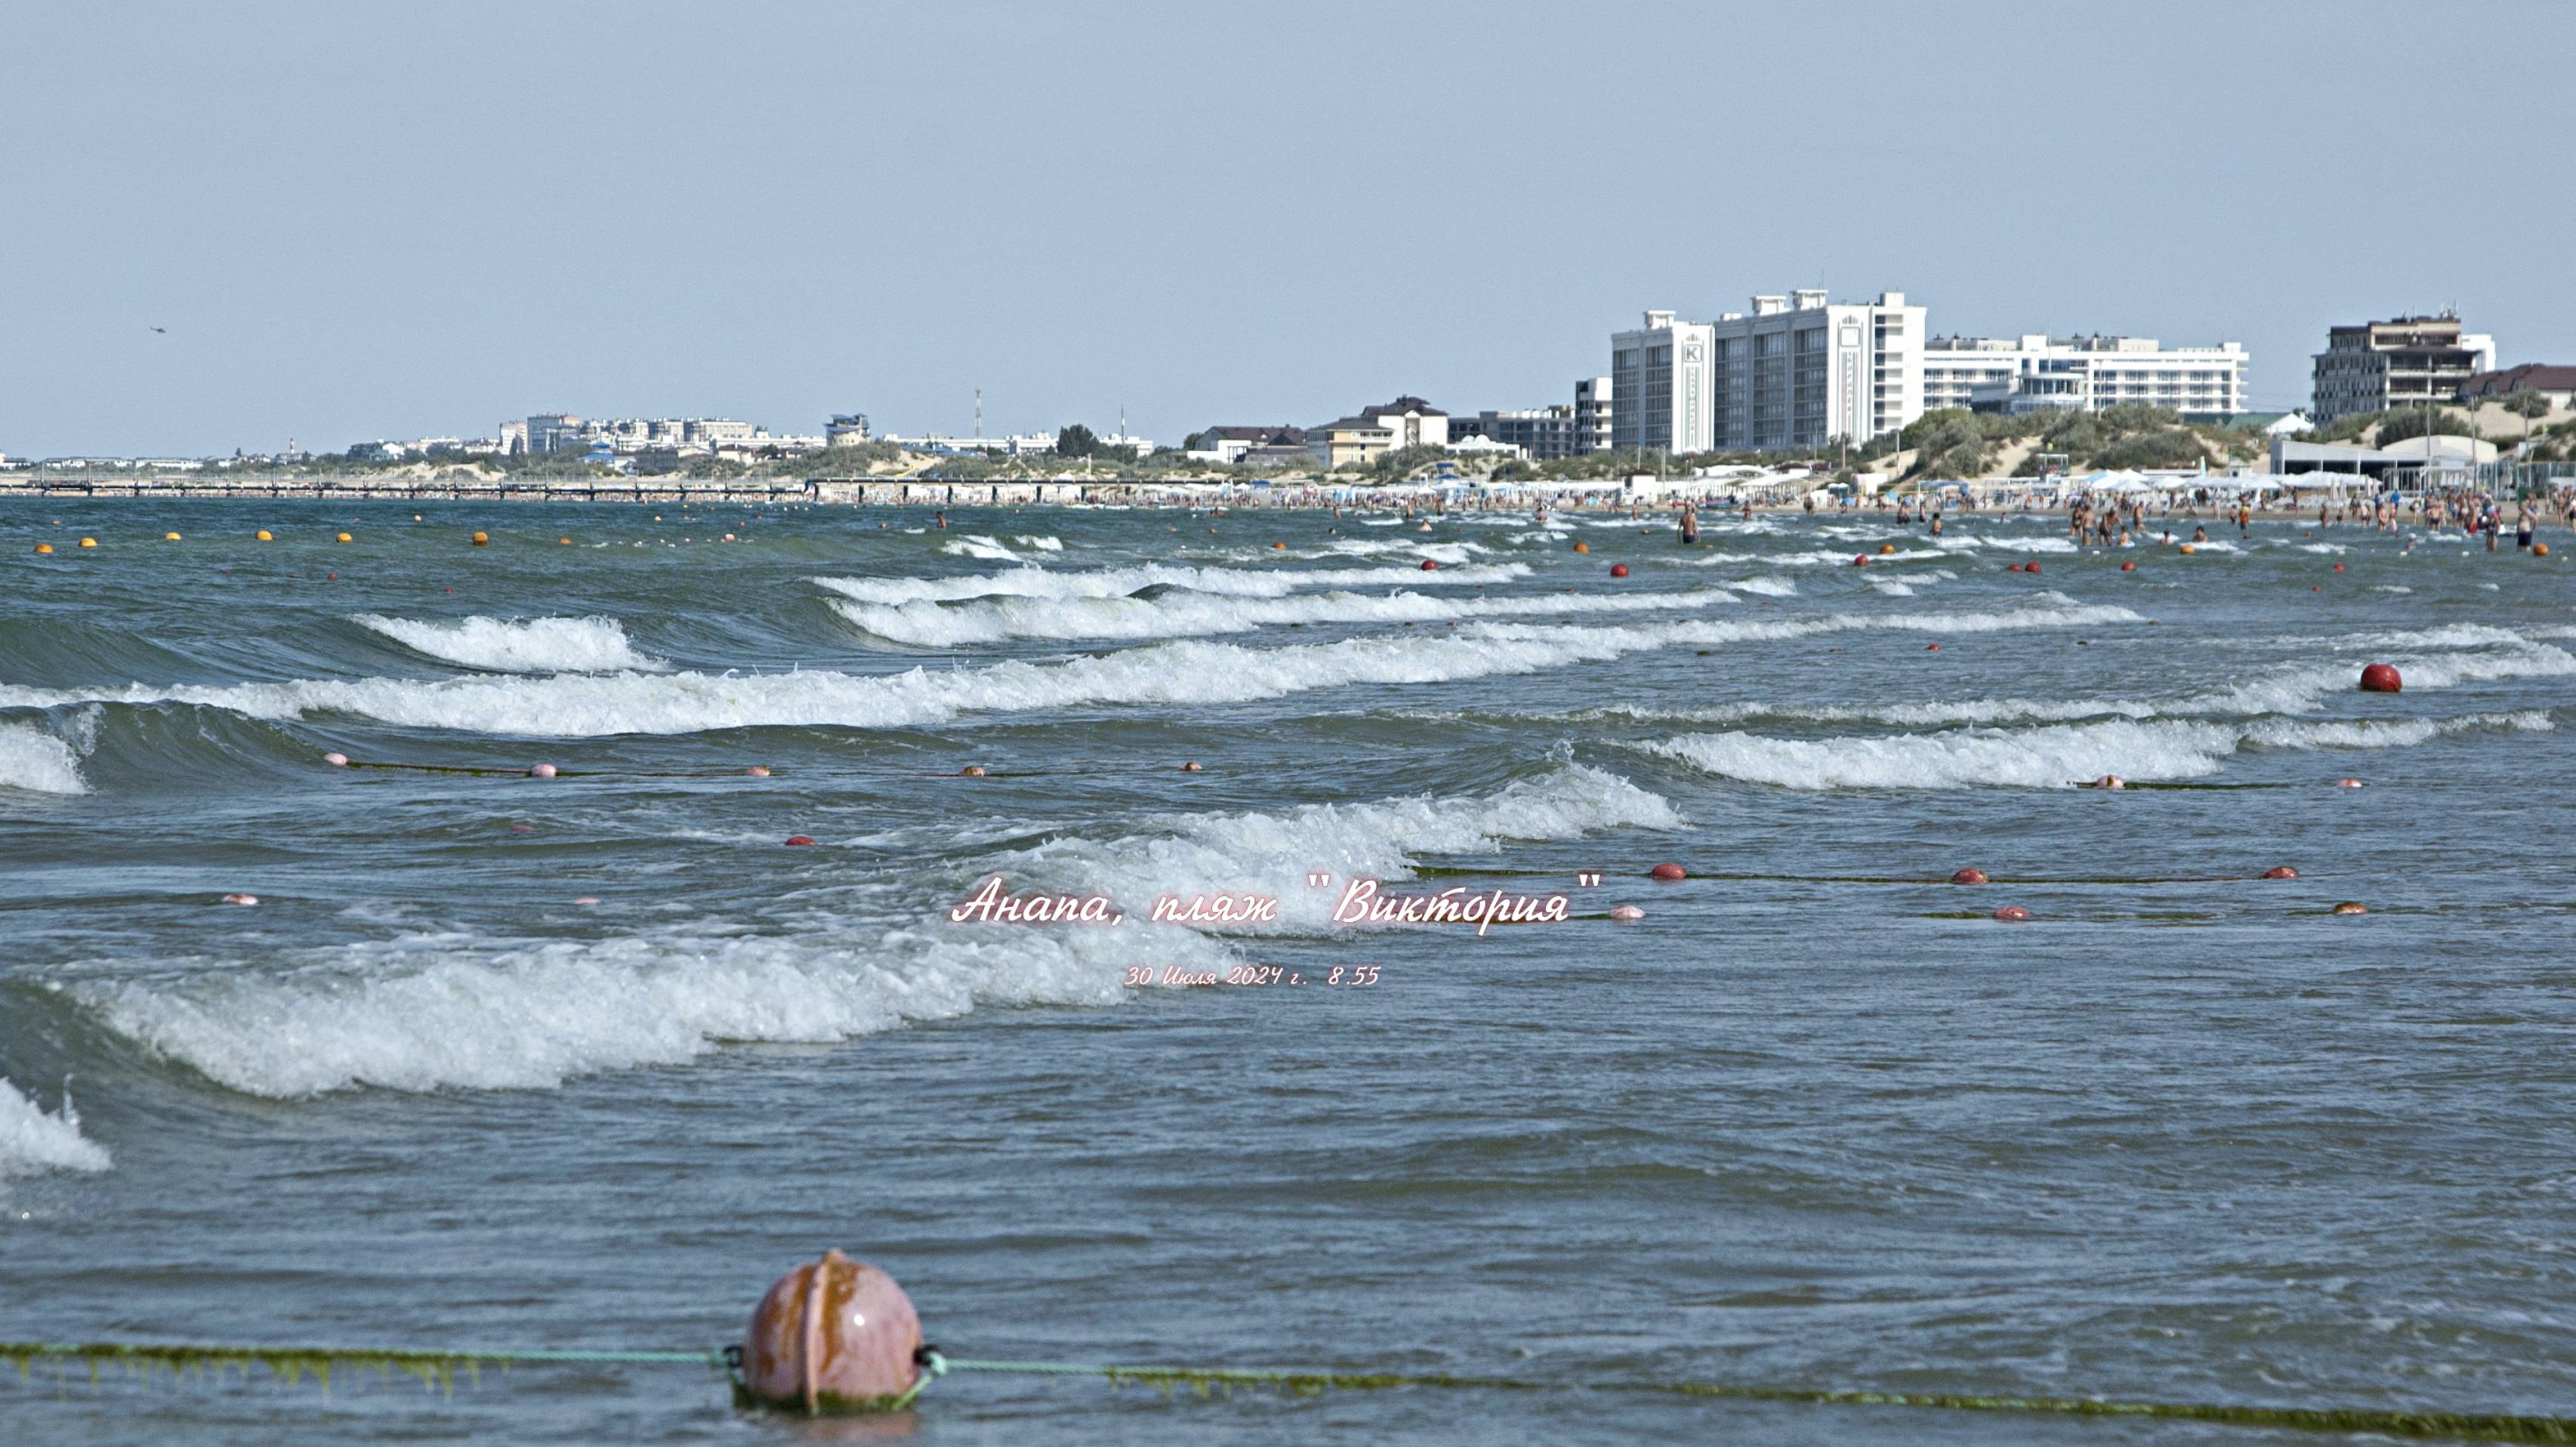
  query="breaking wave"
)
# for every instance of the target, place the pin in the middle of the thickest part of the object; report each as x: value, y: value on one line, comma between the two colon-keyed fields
x: 519, y: 645
x: 2051, y: 757
x: 1036, y: 582
x: 426, y: 1011
x: 37, y: 761
x: 33, y: 1141
x: 1182, y: 672
x: 1184, y: 614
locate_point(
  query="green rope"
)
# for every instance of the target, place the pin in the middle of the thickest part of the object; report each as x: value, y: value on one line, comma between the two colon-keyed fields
x: 2486, y: 1427
x: 439, y: 1368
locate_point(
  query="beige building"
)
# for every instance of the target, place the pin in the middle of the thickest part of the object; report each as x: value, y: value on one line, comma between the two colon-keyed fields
x: 1377, y: 431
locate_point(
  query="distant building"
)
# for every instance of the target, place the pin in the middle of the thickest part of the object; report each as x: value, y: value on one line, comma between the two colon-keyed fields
x: 555, y: 432
x: 1227, y: 443
x: 2015, y: 375
x: 1796, y: 373
x: 846, y: 429
x: 1592, y: 415
x: 2409, y: 362
x: 2556, y: 384
x: 1377, y: 431
x: 1542, y: 433
x: 514, y: 437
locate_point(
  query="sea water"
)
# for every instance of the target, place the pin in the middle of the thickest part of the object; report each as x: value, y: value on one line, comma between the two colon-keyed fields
x: 503, y: 1061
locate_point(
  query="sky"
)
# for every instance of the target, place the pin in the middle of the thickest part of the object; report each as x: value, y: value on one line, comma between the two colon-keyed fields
x: 358, y: 220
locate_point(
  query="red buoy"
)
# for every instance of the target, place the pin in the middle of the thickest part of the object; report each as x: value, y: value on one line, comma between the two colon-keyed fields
x: 2338, y: 567
x: 1618, y: 570
x: 2128, y: 567
x: 1969, y: 876
x: 1860, y: 560
x: 2011, y: 913
x: 800, y: 838
x: 2031, y: 567
x: 1429, y: 566
x: 837, y: 1335
x: 2012, y: 567
x: 1931, y: 647
x: 2380, y: 678
x: 2280, y: 871
x: 1669, y: 871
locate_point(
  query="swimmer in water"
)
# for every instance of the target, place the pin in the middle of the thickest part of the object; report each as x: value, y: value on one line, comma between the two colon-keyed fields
x: 2200, y: 535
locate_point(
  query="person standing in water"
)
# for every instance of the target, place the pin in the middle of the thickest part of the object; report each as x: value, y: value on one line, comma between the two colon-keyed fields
x: 1690, y: 525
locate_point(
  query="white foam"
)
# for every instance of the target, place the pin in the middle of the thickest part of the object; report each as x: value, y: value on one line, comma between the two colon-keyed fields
x: 1041, y: 543
x: 1181, y: 672
x: 979, y: 545
x: 2055, y: 756
x: 32, y: 1141
x: 1035, y: 582
x: 1187, y: 615
x: 37, y: 761
x: 519, y: 645
x: 424, y: 1011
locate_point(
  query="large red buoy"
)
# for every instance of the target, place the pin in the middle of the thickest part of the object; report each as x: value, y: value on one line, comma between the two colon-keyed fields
x: 1618, y: 570
x: 800, y: 839
x: 2280, y: 871
x: 2128, y: 567
x: 836, y: 1336
x: 1669, y: 871
x: 1860, y: 560
x: 1429, y: 566
x: 1968, y: 876
x: 2031, y: 567
x: 2380, y: 678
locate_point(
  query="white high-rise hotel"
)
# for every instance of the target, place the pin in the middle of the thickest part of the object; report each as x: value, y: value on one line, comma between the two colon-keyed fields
x: 1801, y: 373
x: 1796, y: 372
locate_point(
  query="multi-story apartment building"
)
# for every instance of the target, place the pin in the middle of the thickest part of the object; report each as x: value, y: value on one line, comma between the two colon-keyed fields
x: 2409, y: 362
x: 2029, y: 373
x: 1543, y: 434
x: 1592, y: 415
x: 1797, y: 372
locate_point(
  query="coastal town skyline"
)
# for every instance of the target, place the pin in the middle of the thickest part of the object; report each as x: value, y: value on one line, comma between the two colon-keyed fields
x: 899, y: 256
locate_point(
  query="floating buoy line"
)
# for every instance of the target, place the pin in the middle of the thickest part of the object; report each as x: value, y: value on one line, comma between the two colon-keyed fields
x: 439, y: 1371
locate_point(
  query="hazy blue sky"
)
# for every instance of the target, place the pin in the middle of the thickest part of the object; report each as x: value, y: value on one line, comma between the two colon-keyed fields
x: 400, y: 220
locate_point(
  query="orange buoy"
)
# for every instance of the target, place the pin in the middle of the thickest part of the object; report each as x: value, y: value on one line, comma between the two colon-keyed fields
x: 567, y: 542
x: 1617, y: 570
x: 1429, y: 566
x: 1886, y: 548
x: 1668, y: 871
x: 2280, y: 871
x: 1278, y: 547
x: 2012, y: 913
x: 2540, y: 550
x: 2347, y: 783
x: 2187, y: 547
x: 2352, y: 906
x: 44, y: 547
x: 342, y: 538
x: 264, y: 537
x: 2380, y: 678
x: 169, y: 537
x: 482, y: 540
x: 835, y: 1336
x: 800, y: 839
x: 1583, y: 547
x: 89, y: 542
x: 1968, y: 876
x: 971, y: 771
x: 1626, y: 912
